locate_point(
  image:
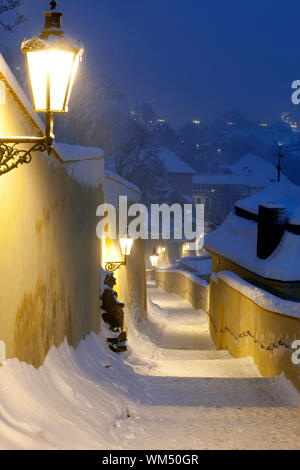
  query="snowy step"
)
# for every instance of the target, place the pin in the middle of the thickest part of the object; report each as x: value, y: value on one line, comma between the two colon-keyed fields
x: 180, y: 336
x: 194, y: 355
x: 224, y: 393
x: 206, y: 368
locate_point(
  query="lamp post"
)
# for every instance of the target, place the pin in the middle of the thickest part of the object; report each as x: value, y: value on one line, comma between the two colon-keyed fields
x: 126, y: 245
x: 280, y: 156
x: 52, y: 61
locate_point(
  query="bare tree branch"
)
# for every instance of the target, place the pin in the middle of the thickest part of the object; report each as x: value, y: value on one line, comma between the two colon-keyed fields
x: 7, y: 6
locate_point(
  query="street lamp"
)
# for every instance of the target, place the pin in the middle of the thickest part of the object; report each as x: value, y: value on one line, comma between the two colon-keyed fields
x: 154, y: 259
x: 125, y: 245
x: 52, y: 61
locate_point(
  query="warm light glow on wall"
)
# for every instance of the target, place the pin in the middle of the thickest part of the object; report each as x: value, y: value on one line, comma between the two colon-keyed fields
x: 2, y: 93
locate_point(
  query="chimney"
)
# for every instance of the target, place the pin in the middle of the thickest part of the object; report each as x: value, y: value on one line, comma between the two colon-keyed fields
x: 271, y: 226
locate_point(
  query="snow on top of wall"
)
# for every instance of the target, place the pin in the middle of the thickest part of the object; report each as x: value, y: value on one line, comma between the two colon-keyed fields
x: 236, y: 240
x: 110, y: 175
x: 71, y: 153
x: 191, y: 276
x: 173, y: 163
x: 262, y: 298
x: 286, y: 194
x: 250, y: 170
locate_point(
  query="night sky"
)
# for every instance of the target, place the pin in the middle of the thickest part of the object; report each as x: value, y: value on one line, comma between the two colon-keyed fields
x: 192, y: 59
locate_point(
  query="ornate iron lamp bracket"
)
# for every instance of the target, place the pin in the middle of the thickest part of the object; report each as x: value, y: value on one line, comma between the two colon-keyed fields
x: 11, y: 155
x: 112, y: 266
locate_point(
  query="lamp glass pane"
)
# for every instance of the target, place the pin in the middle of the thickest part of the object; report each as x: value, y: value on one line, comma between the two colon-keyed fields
x: 154, y: 260
x: 126, y: 245
x: 60, y: 69
x: 37, y: 68
x: 74, y: 71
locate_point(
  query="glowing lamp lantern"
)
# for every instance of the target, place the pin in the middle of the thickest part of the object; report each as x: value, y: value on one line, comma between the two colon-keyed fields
x: 154, y: 259
x: 126, y: 245
x: 52, y: 62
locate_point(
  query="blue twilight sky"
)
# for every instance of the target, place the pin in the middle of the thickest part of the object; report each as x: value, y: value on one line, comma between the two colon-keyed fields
x: 190, y: 58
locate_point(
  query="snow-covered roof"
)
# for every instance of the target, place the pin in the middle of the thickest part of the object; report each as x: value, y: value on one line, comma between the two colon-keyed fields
x: 250, y: 170
x: 251, y: 164
x: 72, y: 153
x: 236, y: 238
x: 173, y: 163
x: 286, y: 194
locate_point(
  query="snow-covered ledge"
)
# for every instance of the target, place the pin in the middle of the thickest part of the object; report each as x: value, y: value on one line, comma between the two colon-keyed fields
x: 262, y: 298
x: 188, y: 275
x: 248, y: 321
x: 186, y: 284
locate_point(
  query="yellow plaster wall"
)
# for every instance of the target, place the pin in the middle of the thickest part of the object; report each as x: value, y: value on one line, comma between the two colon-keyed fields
x: 49, y: 253
x: 231, y: 310
x: 131, y: 279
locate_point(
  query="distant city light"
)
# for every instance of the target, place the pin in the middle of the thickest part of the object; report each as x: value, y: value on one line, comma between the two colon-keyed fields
x: 196, y: 122
x: 160, y: 120
x: 285, y: 117
x: 219, y: 150
x: 263, y: 124
x: 230, y: 123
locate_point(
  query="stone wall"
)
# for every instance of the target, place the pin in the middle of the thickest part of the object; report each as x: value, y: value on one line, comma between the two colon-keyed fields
x: 49, y: 253
x: 255, y: 328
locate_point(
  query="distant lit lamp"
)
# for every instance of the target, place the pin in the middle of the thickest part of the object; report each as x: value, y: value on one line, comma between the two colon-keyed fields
x: 52, y: 61
x: 154, y: 259
x: 186, y: 247
x: 126, y: 246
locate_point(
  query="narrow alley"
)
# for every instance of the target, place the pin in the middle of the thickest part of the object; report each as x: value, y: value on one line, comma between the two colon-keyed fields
x: 171, y: 390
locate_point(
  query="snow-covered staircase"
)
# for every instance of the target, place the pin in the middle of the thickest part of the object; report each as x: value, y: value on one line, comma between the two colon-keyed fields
x: 170, y: 390
x: 200, y: 398
x: 186, y: 346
